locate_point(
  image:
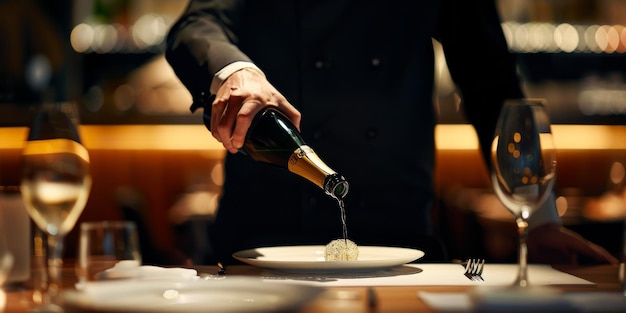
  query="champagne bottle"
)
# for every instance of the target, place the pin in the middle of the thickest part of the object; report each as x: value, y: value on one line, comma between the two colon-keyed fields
x: 273, y: 139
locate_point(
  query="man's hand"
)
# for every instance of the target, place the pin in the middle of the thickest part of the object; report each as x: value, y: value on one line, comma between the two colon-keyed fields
x: 553, y: 244
x: 240, y: 97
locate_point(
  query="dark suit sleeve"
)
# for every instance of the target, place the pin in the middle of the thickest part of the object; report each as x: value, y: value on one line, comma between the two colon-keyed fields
x: 479, y: 61
x: 202, y: 42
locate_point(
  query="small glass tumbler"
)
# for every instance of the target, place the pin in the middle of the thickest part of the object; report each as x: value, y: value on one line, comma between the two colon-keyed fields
x: 104, y: 245
x: 622, y: 263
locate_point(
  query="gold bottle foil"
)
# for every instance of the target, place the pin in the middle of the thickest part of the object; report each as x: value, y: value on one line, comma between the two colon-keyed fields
x: 305, y: 162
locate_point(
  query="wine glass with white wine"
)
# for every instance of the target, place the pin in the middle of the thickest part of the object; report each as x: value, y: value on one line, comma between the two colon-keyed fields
x: 523, y: 169
x: 55, y: 185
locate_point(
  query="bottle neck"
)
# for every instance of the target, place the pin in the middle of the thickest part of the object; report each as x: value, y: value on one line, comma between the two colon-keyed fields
x: 336, y: 186
x: 307, y: 164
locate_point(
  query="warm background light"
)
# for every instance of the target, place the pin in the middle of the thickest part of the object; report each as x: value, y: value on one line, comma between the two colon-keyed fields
x: 196, y: 137
x: 463, y: 137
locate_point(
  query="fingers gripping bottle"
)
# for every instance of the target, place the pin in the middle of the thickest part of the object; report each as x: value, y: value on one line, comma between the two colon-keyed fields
x: 273, y: 139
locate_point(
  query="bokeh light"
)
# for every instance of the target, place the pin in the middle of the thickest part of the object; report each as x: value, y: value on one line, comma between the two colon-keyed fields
x: 148, y: 32
x: 564, y: 37
x: 81, y: 37
x: 617, y: 173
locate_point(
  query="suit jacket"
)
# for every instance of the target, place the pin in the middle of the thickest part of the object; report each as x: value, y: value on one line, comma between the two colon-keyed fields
x: 361, y: 73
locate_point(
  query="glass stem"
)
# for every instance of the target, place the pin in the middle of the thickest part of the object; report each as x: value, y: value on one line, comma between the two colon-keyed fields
x: 55, y: 264
x: 522, y: 274
x: 40, y: 273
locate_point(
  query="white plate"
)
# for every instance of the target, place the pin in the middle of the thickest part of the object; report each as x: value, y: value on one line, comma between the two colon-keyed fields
x: 231, y: 294
x: 311, y: 258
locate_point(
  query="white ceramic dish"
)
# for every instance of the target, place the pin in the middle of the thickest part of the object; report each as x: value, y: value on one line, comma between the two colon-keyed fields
x: 311, y: 258
x: 231, y: 294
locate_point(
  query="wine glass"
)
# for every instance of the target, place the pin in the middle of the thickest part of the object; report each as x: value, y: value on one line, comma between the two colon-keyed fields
x: 55, y: 185
x: 523, y: 168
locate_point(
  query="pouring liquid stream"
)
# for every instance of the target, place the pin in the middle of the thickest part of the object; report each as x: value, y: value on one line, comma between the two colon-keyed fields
x: 342, y: 208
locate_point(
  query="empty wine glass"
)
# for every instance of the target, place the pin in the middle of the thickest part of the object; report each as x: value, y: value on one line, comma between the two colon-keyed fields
x: 55, y: 184
x: 523, y: 168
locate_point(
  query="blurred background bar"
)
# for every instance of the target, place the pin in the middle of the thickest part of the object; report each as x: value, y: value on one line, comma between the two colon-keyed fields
x: 108, y: 56
x: 155, y: 163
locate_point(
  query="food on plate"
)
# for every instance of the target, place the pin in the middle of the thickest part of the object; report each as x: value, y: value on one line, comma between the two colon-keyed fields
x: 341, y: 250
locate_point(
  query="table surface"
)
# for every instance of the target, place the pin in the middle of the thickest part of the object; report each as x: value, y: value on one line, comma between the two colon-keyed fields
x: 388, y: 299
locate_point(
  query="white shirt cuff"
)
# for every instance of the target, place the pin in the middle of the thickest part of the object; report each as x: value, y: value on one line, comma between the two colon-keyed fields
x: 226, y: 71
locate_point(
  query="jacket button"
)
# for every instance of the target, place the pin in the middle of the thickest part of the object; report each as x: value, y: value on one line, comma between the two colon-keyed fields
x: 375, y: 62
x: 371, y: 133
x: 319, y: 64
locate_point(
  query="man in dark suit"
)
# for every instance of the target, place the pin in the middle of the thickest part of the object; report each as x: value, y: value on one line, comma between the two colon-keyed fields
x: 356, y: 77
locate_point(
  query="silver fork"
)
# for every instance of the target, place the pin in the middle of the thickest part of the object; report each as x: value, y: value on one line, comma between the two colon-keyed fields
x: 474, y: 269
